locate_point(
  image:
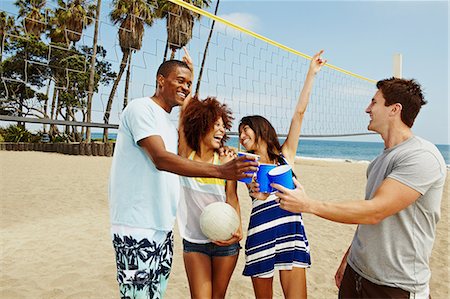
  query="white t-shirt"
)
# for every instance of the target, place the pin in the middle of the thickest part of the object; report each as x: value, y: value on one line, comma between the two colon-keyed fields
x: 140, y: 195
x: 196, y: 194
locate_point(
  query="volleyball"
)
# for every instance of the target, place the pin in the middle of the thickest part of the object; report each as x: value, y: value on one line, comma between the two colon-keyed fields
x: 219, y: 221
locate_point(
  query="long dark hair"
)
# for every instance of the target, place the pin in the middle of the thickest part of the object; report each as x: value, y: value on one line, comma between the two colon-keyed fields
x: 263, y: 131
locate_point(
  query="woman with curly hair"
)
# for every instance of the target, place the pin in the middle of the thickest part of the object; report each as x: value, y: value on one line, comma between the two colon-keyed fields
x: 209, y: 264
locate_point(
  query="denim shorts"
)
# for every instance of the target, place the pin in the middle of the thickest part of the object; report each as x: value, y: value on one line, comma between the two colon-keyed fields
x: 211, y: 249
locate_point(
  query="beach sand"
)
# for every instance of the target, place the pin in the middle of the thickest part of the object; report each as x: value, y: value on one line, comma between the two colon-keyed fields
x: 55, y: 240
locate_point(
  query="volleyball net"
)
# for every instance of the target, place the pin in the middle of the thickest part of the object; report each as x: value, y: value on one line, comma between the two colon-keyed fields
x: 249, y: 72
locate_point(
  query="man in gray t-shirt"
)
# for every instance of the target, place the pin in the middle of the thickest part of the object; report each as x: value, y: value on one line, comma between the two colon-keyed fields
x: 390, y: 252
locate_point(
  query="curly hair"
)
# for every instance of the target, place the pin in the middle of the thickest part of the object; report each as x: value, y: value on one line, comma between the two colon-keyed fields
x: 198, y: 119
x: 406, y: 92
x: 263, y: 131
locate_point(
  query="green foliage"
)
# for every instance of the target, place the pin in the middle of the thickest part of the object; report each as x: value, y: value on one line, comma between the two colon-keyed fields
x: 76, y: 80
x: 60, y: 137
x: 18, y: 69
x: 14, y: 133
x: 26, y: 58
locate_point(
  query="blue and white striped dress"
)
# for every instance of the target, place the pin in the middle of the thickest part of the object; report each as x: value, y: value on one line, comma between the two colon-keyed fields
x: 276, y: 240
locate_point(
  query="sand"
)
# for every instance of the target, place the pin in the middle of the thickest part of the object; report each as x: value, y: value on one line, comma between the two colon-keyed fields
x: 55, y: 242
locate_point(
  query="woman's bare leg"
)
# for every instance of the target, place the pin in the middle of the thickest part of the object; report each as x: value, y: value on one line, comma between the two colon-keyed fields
x: 293, y: 283
x: 198, y: 270
x: 222, y: 269
x: 263, y: 287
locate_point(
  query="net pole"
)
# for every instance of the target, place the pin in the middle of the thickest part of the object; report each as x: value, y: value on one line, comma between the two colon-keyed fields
x: 397, y: 65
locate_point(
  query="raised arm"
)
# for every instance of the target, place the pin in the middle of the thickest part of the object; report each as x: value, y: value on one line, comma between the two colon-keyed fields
x: 183, y: 148
x: 289, y: 147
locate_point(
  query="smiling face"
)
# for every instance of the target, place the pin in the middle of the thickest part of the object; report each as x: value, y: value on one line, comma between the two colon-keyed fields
x: 176, y: 86
x: 379, y: 113
x: 215, y: 135
x: 247, y: 138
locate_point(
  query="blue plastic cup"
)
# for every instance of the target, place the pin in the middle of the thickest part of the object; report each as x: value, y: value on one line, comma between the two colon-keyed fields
x: 263, y: 179
x: 248, y: 180
x: 282, y: 175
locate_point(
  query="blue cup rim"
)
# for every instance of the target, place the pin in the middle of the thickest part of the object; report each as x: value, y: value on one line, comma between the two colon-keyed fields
x: 288, y: 167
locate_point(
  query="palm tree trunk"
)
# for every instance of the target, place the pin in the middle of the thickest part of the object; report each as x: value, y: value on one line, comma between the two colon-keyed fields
x: 127, y: 82
x: 46, y: 104
x: 52, y: 109
x: 74, y: 128
x: 66, y: 118
x: 92, y: 72
x: 20, y: 123
x: 172, y: 55
x: 197, y: 88
x: 58, y: 107
x: 83, y: 129
x: 166, y: 50
x: 123, y: 64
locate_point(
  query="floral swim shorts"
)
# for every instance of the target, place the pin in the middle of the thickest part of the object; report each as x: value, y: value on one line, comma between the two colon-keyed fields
x: 143, y: 265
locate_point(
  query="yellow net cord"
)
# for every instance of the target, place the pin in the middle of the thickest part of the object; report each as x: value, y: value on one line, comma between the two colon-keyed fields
x: 260, y: 37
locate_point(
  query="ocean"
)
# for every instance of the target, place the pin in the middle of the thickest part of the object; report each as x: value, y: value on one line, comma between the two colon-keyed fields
x: 330, y: 149
x: 343, y: 150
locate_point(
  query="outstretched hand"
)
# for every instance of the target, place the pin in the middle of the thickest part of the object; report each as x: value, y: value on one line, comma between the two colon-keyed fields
x: 317, y: 62
x: 236, y: 169
x: 295, y: 201
x: 188, y: 60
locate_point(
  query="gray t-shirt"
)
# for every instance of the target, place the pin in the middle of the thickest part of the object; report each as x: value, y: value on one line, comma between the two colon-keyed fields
x: 396, y: 251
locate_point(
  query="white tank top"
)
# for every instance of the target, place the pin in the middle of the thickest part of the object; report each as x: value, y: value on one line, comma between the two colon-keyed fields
x: 195, y: 195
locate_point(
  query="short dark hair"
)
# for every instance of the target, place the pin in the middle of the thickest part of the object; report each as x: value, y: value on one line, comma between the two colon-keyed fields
x: 199, y: 117
x: 406, y: 92
x: 169, y: 65
x: 263, y: 131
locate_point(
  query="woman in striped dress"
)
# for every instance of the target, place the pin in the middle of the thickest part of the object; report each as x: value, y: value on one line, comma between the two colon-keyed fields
x: 276, y: 239
x: 209, y: 264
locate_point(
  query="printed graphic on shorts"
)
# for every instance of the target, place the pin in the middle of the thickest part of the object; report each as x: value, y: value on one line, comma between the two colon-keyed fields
x: 143, y: 267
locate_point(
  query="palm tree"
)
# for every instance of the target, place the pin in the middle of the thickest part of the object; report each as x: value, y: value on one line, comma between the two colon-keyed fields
x: 79, y: 15
x: 66, y: 26
x: 180, y: 22
x: 57, y: 35
x: 92, y: 71
x: 197, y: 88
x: 69, y: 20
x: 132, y: 15
x: 127, y: 83
x: 32, y: 13
x: 74, y: 16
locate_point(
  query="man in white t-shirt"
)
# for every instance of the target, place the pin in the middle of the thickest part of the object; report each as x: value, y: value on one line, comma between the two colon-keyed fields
x: 144, y: 183
x: 390, y: 252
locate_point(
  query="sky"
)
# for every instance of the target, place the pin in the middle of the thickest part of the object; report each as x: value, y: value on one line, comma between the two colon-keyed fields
x: 358, y: 36
x: 362, y: 37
